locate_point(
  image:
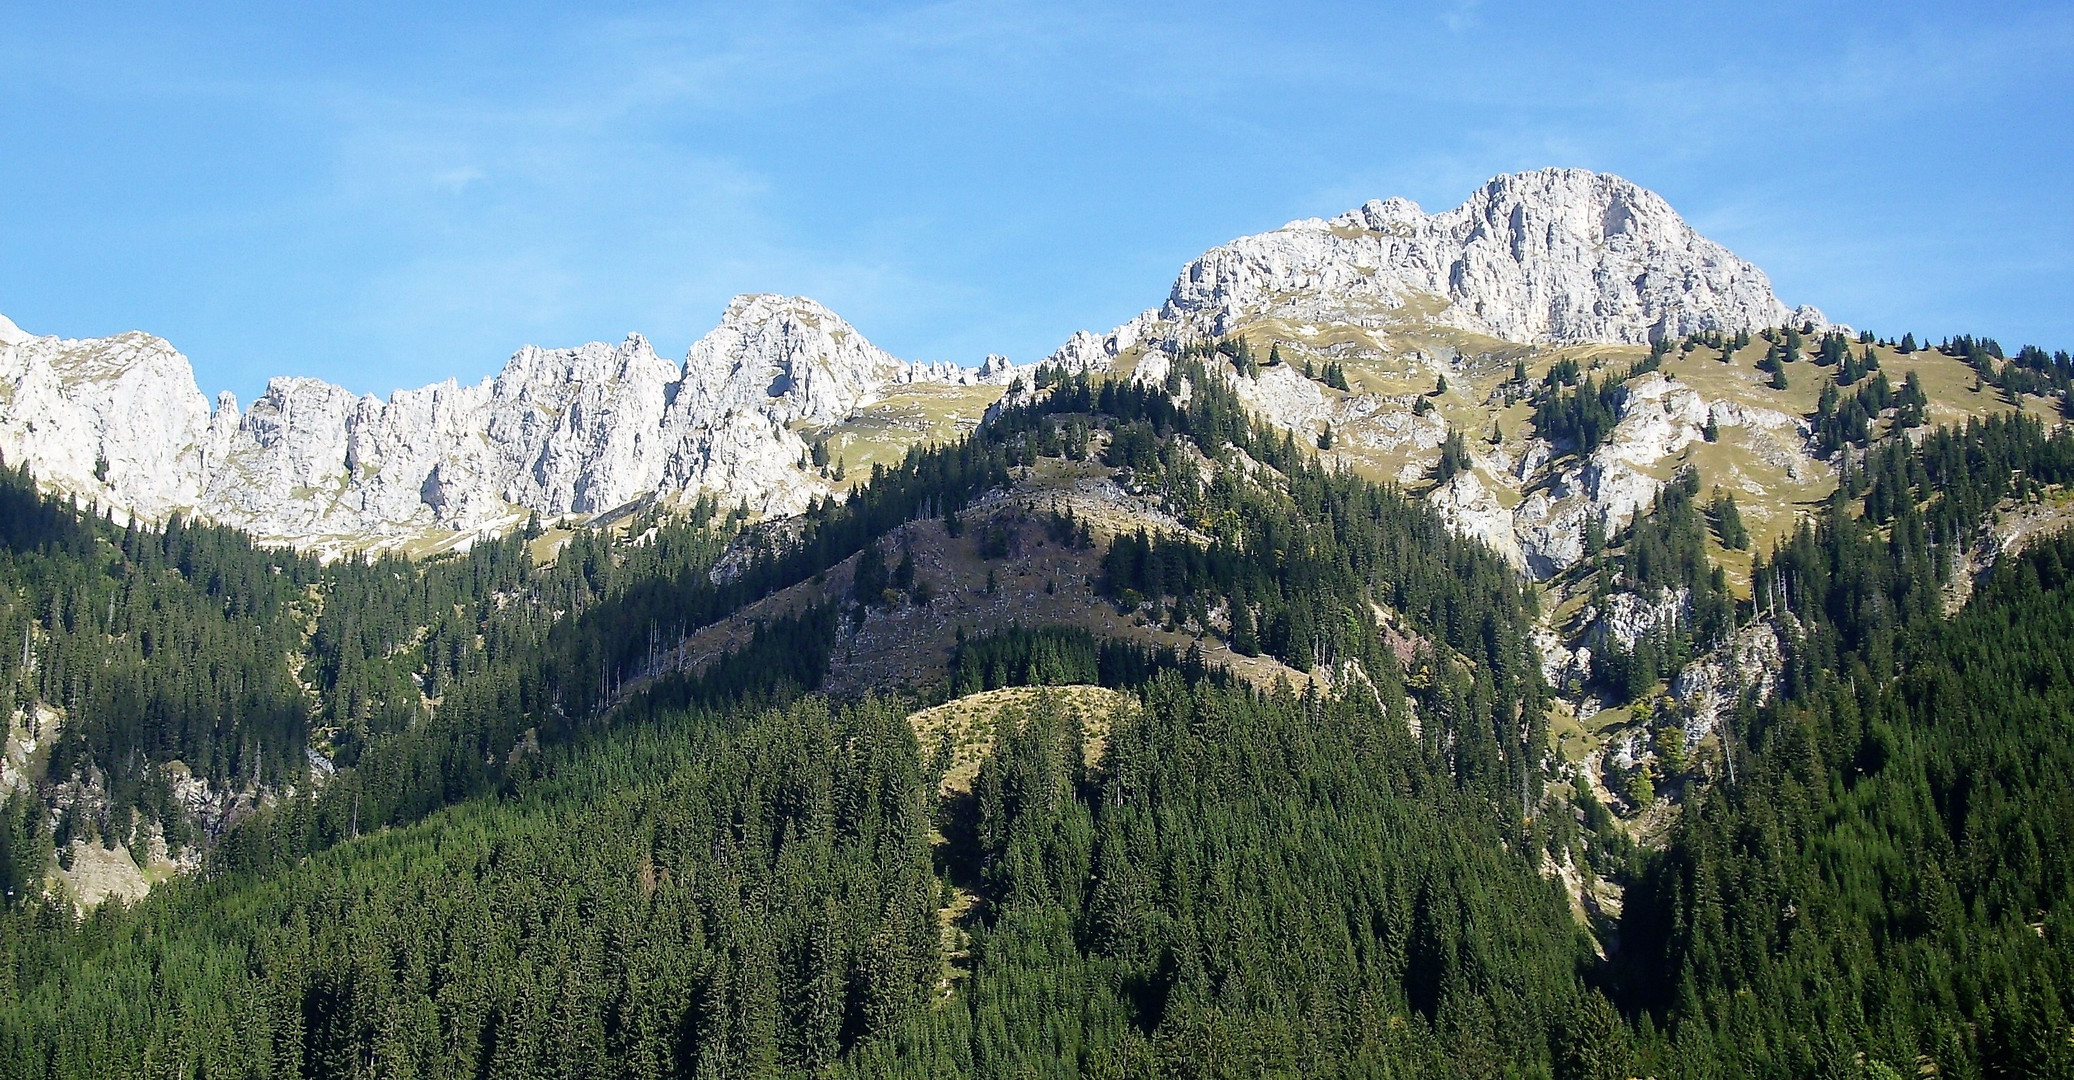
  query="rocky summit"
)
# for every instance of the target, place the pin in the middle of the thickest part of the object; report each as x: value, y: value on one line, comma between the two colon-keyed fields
x: 1557, y: 256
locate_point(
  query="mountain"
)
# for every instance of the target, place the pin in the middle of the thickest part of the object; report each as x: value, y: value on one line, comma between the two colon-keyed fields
x: 557, y: 431
x: 1247, y: 768
x: 1556, y: 256
x: 1302, y: 679
x: 1428, y: 320
x: 1537, y: 366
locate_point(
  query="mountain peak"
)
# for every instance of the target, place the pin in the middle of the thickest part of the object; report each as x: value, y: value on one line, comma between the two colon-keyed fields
x: 1554, y: 256
x: 789, y: 357
x: 1560, y: 256
x: 10, y: 334
x: 1380, y: 213
x: 766, y: 301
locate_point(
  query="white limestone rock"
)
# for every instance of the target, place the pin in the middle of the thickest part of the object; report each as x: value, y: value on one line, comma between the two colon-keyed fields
x: 789, y: 358
x: 1472, y: 509
x: 1285, y: 397
x: 1749, y: 661
x: 114, y: 420
x: 1549, y: 526
x: 1629, y: 617
x: 557, y: 431
x: 1559, y: 256
x: 10, y: 334
x: 1658, y: 418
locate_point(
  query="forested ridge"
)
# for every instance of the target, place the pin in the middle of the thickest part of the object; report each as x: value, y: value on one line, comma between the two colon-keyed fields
x: 544, y: 854
x: 1885, y: 872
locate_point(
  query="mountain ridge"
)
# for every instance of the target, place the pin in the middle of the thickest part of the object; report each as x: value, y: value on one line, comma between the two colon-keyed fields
x: 1553, y: 257
x: 576, y: 430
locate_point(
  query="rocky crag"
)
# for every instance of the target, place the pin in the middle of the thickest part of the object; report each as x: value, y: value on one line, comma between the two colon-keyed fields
x: 1410, y: 347
x: 1556, y: 256
x: 120, y: 421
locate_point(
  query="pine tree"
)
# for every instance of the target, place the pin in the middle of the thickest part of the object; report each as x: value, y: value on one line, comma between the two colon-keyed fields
x: 1245, y: 639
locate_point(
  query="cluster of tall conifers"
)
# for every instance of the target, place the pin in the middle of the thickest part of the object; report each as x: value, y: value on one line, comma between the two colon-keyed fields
x: 1885, y: 868
x: 151, y: 645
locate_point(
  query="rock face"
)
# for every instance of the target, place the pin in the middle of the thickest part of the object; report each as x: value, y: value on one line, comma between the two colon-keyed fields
x: 581, y: 430
x: 107, y: 415
x: 1557, y: 256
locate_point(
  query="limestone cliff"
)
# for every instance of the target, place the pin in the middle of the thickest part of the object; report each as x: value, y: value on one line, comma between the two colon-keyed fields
x: 119, y: 420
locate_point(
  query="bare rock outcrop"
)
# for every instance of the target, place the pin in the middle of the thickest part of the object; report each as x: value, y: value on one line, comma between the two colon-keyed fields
x: 1556, y: 256
x: 120, y: 421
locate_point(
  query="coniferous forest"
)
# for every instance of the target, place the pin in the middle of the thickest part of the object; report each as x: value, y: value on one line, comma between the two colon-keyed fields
x: 535, y: 848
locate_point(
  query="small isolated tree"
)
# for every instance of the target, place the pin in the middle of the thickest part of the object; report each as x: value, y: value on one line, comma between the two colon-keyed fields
x: 1594, y: 535
x: 1728, y: 520
x: 1669, y: 743
x: 1325, y: 437
x: 1454, y: 456
x: 868, y: 582
x: 1641, y: 789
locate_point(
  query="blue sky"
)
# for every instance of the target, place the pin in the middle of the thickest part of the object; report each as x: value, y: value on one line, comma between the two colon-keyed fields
x: 385, y: 198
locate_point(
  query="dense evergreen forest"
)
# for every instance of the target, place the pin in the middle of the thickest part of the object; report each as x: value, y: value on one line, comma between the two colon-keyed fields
x: 1886, y: 872
x: 533, y: 849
